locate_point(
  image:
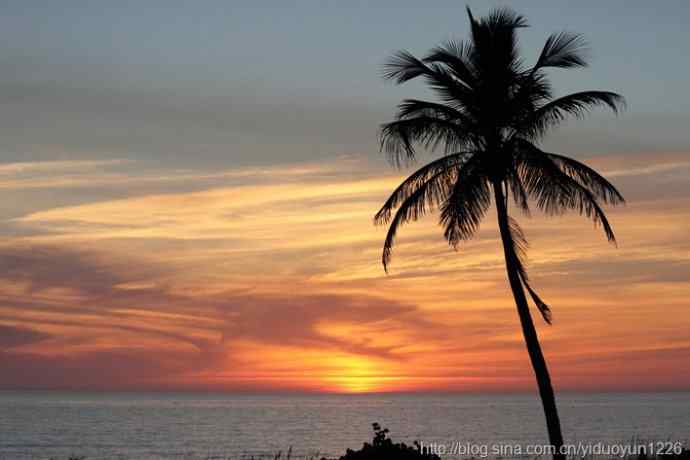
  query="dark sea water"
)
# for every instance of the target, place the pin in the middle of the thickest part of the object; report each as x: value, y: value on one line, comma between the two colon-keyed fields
x: 38, y: 425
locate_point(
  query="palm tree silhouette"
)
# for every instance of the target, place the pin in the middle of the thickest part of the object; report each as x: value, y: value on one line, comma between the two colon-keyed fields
x: 491, y: 114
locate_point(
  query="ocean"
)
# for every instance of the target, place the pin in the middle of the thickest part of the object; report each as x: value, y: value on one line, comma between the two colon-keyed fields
x: 44, y: 425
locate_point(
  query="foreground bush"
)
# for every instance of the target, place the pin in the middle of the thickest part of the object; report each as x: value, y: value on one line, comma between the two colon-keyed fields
x: 382, y: 448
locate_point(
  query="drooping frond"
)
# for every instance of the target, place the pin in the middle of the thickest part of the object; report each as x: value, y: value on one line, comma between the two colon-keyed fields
x: 564, y: 50
x: 398, y: 138
x: 517, y: 252
x: 518, y: 247
x: 601, y: 188
x: 416, y: 180
x: 575, y: 105
x: 541, y: 305
x: 556, y: 192
x: 466, y: 204
x: 425, y: 197
x: 516, y: 256
x: 517, y: 190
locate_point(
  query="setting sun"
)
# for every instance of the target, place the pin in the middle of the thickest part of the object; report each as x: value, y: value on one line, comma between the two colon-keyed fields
x: 353, y: 374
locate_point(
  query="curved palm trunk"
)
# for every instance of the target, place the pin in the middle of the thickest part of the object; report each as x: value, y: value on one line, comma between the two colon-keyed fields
x: 531, y: 339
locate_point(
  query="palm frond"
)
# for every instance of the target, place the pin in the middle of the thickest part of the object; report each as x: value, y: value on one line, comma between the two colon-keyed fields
x: 466, y: 204
x: 517, y: 190
x: 456, y: 56
x: 563, y: 50
x: 494, y: 41
x: 416, y: 180
x: 518, y: 247
x: 601, y: 188
x: 517, y: 251
x: 410, y: 108
x: 426, y: 196
x: 403, y: 66
x: 556, y: 192
x: 398, y: 138
x: 498, y: 19
x: 541, y: 305
x: 530, y: 91
x: 505, y: 18
x: 575, y: 105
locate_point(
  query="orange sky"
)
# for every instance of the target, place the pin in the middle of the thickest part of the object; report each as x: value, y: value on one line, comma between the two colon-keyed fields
x: 269, y: 279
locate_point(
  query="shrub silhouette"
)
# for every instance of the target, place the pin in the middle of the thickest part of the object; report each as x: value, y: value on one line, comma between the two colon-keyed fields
x: 383, y: 448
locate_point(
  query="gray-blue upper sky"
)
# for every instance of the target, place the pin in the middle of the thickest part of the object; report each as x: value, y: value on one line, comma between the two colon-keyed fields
x: 208, y: 82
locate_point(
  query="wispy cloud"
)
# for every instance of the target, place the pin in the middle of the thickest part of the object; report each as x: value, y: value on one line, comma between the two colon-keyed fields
x: 650, y: 169
x: 19, y: 168
x: 112, y: 173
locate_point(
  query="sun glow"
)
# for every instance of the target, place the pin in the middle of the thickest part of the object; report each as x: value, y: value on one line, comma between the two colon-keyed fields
x: 355, y: 374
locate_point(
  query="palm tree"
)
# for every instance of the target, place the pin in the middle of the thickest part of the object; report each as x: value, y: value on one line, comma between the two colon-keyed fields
x: 491, y: 114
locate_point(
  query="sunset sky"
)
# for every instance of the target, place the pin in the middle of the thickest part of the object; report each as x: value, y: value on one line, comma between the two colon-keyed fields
x: 188, y: 191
